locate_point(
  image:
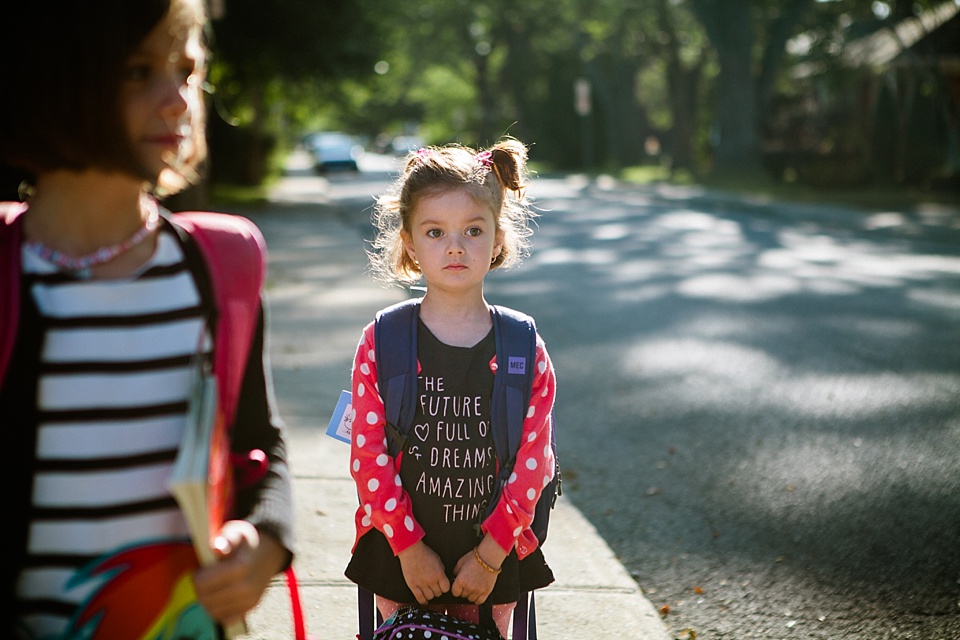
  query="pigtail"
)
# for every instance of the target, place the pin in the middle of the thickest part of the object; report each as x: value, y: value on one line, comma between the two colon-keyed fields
x: 508, y: 159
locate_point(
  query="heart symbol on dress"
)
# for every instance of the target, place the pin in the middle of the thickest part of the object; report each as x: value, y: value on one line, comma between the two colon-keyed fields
x: 422, y: 431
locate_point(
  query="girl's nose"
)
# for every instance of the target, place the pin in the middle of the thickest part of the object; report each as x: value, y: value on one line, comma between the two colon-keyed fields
x: 455, y: 246
x: 176, y: 96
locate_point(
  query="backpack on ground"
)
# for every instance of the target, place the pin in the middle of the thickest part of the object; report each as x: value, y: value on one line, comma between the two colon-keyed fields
x: 414, y: 623
x: 515, y: 335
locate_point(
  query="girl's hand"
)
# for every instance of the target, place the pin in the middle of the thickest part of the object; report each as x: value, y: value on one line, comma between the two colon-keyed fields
x: 423, y: 572
x: 233, y: 586
x: 474, y: 581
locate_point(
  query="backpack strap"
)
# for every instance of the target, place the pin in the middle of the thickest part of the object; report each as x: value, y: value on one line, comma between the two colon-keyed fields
x: 234, y: 253
x: 395, y: 342
x: 516, y: 338
x: 11, y: 235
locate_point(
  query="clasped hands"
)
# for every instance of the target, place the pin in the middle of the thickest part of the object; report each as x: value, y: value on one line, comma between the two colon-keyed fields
x: 424, y: 573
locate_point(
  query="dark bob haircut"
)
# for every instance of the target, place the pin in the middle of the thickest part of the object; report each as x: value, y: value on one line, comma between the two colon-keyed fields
x: 62, y: 65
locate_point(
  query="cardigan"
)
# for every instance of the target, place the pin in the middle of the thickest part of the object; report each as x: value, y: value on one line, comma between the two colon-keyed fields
x: 386, y: 505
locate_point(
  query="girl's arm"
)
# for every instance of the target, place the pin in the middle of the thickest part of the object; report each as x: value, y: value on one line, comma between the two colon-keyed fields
x: 383, y: 501
x: 509, y: 524
x: 267, y: 502
x: 258, y: 543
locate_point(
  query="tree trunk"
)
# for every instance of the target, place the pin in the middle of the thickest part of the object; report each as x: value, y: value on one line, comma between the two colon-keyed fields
x: 729, y: 24
x: 683, y: 85
x: 737, y: 138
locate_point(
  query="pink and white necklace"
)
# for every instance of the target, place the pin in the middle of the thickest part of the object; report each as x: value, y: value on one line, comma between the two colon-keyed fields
x: 81, y: 266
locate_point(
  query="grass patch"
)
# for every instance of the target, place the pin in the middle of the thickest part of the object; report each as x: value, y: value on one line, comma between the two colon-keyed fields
x: 870, y: 196
x: 229, y: 195
x: 760, y: 184
x: 653, y: 173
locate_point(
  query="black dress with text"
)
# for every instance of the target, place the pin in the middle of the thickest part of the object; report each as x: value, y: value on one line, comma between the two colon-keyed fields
x: 448, y: 470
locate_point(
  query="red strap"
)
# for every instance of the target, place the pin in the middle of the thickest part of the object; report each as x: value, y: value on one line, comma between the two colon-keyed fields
x: 299, y: 628
x: 11, y: 232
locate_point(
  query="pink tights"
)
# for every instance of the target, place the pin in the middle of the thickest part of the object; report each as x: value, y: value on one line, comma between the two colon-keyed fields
x: 468, y: 612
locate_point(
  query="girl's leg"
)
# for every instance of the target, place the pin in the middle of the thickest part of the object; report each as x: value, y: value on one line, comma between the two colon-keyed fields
x: 387, y: 607
x: 501, y: 616
x: 471, y: 613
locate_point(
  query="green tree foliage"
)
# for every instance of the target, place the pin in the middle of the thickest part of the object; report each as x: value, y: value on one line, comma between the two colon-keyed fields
x: 694, y: 84
x: 266, y: 52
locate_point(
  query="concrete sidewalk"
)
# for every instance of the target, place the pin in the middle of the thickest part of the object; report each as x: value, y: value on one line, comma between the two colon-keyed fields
x: 319, y: 299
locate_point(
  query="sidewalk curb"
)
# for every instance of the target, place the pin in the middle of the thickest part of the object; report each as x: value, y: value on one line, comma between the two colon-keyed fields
x: 319, y: 297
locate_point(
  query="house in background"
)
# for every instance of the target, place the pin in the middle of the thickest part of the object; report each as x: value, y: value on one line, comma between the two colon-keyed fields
x: 885, y: 109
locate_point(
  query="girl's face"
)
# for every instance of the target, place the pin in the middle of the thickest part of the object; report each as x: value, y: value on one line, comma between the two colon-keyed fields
x: 454, y: 238
x: 158, y: 92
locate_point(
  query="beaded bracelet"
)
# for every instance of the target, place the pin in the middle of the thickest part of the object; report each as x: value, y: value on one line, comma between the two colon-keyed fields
x: 476, y: 554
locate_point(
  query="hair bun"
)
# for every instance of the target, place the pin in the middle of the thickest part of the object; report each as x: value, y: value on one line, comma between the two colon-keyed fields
x: 506, y: 165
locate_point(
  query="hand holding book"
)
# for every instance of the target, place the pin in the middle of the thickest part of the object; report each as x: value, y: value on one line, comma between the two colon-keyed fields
x: 201, y: 481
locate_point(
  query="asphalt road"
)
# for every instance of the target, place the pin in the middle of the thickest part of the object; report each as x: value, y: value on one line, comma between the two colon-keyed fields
x: 759, y: 405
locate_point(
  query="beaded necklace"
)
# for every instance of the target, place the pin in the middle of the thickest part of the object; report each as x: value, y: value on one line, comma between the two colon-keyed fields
x: 81, y: 267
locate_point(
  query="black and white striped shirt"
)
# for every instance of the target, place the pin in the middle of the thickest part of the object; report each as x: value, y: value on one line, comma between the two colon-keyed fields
x: 115, y: 372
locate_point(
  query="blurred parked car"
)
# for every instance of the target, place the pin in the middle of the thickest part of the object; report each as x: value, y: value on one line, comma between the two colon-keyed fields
x: 333, y: 150
x: 402, y: 145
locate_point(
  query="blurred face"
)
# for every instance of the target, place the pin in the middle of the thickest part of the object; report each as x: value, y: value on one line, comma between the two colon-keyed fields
x: 454, y: 238
x: 159, y: 91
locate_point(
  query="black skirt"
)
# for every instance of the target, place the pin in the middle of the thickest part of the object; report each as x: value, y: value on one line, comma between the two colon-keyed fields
x: 375, y: 568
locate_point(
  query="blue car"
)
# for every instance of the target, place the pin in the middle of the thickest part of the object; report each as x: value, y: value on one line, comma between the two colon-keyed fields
x: 332, y: 150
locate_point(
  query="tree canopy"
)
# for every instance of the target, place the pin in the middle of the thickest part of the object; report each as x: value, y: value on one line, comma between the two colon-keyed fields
x: 696, y: 84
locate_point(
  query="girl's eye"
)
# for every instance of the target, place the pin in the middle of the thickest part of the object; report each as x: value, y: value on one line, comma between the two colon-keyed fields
x: 137, y: 72
x: 434, y: 233
x: 473, y: 232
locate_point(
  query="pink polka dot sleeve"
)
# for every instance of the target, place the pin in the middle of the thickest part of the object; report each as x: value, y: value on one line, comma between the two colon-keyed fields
x: 383, y: 502
x: 509, y: 524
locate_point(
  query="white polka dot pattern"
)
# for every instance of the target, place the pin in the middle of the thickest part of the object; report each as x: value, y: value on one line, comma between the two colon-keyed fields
x: 386, y: 505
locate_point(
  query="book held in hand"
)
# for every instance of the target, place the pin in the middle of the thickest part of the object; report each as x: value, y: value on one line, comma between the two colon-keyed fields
x: 202, y: 480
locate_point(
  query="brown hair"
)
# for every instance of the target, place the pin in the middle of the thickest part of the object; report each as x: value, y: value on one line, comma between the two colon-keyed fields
x: 63, y: 64
x: 496, y: 177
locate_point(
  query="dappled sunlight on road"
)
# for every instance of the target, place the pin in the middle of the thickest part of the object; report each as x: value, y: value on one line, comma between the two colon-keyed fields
x: 774, y: 384
x: 723, y: 256
x: 741, y: 391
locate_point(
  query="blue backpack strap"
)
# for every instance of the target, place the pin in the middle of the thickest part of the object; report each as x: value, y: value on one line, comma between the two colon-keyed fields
x: 370, y: 618
x: 525, y: 618
x: 395, y: 342
x: 516, y: 338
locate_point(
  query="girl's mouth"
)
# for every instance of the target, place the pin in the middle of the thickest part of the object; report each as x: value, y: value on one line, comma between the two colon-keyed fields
x: 166, y: 140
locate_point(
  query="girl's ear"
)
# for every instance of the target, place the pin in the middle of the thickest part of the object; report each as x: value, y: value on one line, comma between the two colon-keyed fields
x: 497, y: 245
x: 407, y: 241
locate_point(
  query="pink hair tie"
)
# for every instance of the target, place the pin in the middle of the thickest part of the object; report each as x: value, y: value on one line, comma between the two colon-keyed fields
x: 485, y: 158
x: 423, y: 153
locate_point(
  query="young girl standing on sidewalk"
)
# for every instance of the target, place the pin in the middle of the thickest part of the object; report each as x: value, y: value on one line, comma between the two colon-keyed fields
x: 107, y: 306
x: 453, y: 216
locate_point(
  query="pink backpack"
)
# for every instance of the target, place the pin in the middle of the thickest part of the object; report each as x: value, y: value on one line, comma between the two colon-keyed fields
x: 234, y: 252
